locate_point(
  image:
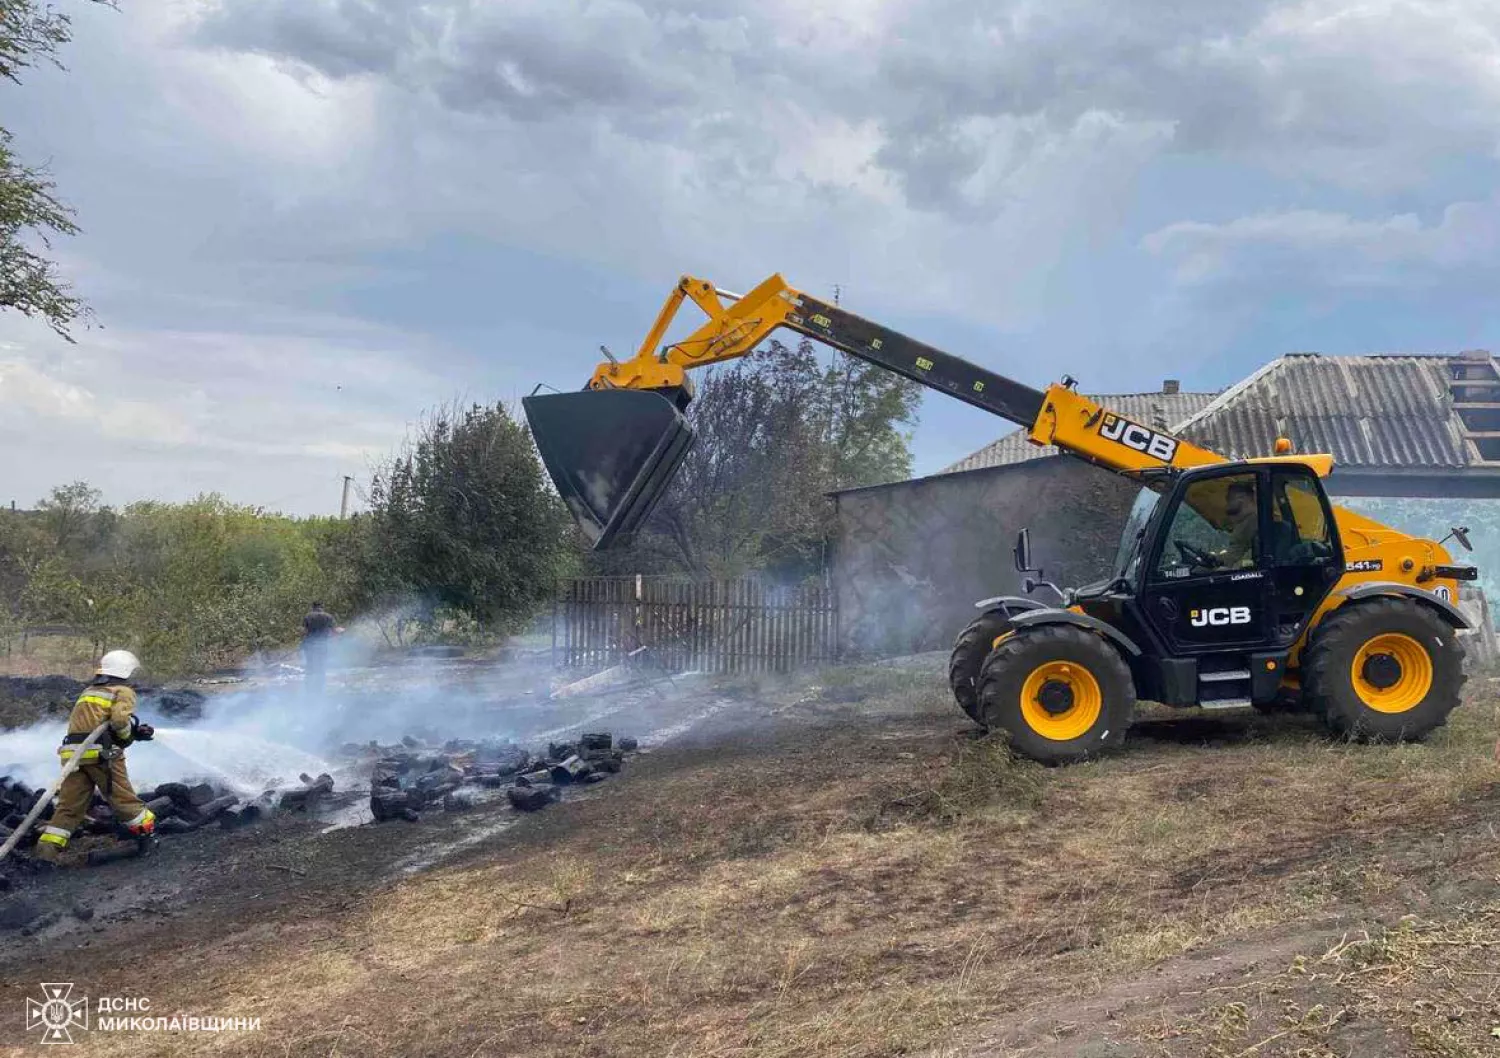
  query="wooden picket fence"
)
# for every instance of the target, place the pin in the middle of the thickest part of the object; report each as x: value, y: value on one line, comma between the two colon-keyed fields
x: 682, y: 625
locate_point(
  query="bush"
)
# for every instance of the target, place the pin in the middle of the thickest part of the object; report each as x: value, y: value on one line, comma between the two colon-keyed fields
x: 464, y: 521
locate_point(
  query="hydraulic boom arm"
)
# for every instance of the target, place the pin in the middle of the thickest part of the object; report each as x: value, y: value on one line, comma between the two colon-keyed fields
x: 1057, y: 416
x: 612, y: 449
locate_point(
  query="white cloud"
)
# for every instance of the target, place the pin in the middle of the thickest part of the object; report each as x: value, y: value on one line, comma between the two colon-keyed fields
x: 163, y: 415
x: 1336, y: 249
x: 25, y: 389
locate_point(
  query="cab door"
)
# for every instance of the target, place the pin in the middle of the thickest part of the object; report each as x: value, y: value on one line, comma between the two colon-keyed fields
x: 1304, y: 553
x: 1206, y: 586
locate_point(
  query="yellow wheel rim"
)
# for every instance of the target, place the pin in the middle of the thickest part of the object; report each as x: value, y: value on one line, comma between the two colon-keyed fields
x: 1085, y: 700
x: 1412, y: 681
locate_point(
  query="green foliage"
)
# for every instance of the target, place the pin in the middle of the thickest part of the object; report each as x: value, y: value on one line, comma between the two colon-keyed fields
x: 463, y: 519
x: 189, y: 586
x: 465, y: 542
x: 66, y: 514
x: 210, y: 581
x: 52, y: 594
x: 775, y: 433
x: 29, y: 210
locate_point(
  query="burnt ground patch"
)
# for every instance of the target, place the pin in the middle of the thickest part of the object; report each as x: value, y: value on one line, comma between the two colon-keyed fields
x: 806, y: 875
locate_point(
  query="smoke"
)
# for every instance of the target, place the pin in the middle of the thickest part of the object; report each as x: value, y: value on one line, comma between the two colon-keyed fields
x: 269, y: 733
x: 265, y: 733
x: 30, y: 754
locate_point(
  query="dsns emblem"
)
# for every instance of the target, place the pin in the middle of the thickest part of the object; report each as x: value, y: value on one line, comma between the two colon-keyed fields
x: 1218, y: 616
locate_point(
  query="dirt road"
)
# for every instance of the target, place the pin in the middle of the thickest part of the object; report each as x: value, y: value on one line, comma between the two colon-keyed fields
x: 842, y: 869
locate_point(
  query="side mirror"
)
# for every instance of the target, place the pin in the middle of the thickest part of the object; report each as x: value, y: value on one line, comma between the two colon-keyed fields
x: 1023, y: 552
x: 1461, y: 534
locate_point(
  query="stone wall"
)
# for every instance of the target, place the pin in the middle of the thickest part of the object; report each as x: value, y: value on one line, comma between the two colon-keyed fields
x: 1480, y: 643
x: 911, y: 559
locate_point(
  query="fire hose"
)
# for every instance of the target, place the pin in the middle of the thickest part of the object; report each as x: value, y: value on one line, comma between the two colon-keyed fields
x: 51, y: 792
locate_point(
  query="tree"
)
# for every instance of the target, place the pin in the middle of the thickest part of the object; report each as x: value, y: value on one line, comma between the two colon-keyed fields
x: 29, y: 209
x: 53, y: 595
x: 22, y: 546
x: 775, y: 433
x: 67, y: 512
x: 463, y: 519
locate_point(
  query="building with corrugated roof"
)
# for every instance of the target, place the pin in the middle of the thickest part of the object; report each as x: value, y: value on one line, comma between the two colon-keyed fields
x: 911, y: 557
x: 1396, y: 425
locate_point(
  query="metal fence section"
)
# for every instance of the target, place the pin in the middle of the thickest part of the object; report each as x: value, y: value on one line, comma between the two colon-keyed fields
x: 683, y: 625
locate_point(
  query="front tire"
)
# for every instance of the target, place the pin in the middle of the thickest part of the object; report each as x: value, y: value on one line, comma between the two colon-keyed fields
x: 1386, y: 670
x: 1061, y: 693
x: 973, y: 645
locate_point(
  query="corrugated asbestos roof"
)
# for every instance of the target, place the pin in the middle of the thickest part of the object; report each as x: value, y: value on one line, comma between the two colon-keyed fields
x: 1369, y: 411
x: 1163, y: 410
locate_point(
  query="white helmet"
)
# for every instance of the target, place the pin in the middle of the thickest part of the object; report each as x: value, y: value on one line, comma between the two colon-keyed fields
x: 120, y: 664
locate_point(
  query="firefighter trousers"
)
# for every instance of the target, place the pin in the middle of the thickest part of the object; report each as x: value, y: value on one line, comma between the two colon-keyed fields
x: 76, y: 794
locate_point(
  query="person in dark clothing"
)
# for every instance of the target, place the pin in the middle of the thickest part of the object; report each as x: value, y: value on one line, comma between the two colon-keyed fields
x: 317, y: 634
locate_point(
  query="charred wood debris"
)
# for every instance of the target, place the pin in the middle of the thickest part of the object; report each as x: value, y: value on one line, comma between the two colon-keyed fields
x: 406, y: 780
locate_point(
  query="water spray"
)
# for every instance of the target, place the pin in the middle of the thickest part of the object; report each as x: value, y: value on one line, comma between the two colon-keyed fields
x: 46, y: 799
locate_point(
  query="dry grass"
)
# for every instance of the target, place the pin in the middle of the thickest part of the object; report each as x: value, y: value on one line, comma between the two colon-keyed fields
x: 47, y: 656
x: 1428, y: 987
x: 847, y: 892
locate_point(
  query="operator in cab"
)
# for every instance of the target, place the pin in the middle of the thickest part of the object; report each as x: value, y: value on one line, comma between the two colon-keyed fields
x: 108, y: 699
x: 1239, y: 505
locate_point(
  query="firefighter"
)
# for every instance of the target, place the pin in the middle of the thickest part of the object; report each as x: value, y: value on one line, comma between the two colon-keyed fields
x: 109, y: 698
x: 317, y: 633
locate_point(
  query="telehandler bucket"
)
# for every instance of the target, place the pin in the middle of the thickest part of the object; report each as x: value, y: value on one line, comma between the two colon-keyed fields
x: 611, y: 453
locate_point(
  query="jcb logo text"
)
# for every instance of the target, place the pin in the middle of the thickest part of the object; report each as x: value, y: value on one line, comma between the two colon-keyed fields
x: 1133, y: 435
x: 1220, y: 615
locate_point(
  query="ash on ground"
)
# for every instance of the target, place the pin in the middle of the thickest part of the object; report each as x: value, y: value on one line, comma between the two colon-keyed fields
x: 406, y: 780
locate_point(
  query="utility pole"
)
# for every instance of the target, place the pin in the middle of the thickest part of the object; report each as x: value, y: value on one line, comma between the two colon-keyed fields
x: 344, y: 503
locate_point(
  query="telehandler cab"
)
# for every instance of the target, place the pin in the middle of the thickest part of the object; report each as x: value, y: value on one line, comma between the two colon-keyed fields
x: 1236, y: 583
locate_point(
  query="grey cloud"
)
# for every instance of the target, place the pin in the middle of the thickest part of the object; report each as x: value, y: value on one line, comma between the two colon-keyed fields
x: 340, y: 38
x: 1358, y: 95
x: 931, y: 156
x: 526, y: 59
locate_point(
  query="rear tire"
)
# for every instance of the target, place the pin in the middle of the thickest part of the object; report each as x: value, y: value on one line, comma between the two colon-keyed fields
x: 1385, y: 670
x: 973, y: 645
x: 1061, y: 693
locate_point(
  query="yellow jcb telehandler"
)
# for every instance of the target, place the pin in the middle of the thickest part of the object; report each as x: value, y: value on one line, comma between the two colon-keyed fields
x: 1236, y: 583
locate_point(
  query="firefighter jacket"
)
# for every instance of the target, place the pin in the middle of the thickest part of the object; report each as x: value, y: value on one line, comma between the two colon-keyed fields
x: 101, y: 702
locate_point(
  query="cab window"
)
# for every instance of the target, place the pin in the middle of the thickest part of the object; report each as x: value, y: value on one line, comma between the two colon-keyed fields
x: 1300, y: 534
x: 1214, y: 528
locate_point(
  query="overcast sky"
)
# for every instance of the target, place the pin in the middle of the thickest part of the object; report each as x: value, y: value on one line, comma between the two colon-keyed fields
x: 305, y: 221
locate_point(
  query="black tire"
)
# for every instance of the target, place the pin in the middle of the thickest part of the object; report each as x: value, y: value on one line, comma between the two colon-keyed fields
x: 1334, y: 691
x: 969, y: 651
x: 1003, y: 684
